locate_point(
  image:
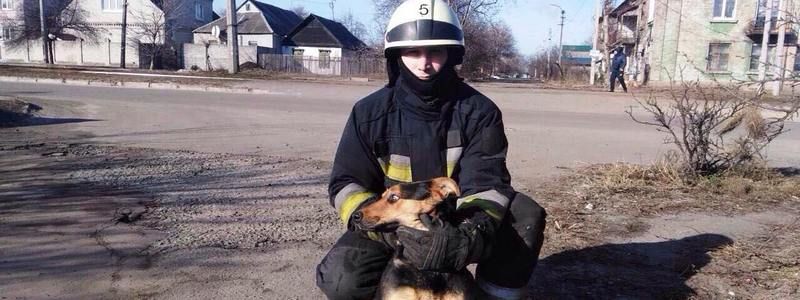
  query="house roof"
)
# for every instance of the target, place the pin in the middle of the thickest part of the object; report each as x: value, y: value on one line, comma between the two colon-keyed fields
x: 249, y: 23
x: 280, y: 20
x: 316, y: 31
x: 268, y: 19
x: 158, y: 3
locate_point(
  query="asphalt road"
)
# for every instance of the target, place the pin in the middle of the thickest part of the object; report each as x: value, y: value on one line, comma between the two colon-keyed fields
x: 547, y: 129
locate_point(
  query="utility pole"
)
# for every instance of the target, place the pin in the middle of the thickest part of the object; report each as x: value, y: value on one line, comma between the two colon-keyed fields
x: 549, y: 50
x: 331, y: 4
x: 595, y: 37
x: 233, y: 39
x: 45, y: 55
x: 123, y: 34
x: 780, y: 62
x: 763, y: 61
x: 560, y: 39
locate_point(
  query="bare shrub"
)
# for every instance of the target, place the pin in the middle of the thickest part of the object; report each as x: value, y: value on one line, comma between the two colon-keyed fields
x: 717, y: 129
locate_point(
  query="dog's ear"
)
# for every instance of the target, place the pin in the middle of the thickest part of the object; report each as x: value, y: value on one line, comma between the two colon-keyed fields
x: 445, y: 187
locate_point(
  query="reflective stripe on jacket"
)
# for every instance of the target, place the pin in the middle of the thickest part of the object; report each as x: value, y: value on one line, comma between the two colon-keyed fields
x: 393, y: 136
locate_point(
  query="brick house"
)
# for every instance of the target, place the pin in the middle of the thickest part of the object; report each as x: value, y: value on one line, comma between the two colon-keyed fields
x: 700, y: 39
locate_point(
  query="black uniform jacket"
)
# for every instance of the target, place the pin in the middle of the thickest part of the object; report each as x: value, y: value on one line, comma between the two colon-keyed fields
x: 394, y: 136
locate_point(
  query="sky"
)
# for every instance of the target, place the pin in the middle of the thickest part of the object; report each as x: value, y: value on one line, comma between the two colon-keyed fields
x: 530, y: 20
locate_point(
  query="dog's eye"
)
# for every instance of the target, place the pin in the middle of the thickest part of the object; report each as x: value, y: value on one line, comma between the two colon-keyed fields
x: 393, y: 198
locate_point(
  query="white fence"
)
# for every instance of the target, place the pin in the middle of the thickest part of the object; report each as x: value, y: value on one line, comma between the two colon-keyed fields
x: 339, y: 66
x: 72, y: 53
x: 215, y: 56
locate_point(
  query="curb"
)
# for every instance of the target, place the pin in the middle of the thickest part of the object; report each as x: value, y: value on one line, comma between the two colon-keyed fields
x: 140, y: 85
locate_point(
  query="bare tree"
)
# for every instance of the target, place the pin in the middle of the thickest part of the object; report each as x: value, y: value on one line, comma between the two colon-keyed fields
x: 154, y: 26
x: 502, y: 48
x: 545, y: 63
x: 717, y: 128
x: 354, y: 26
x: 64, y: 19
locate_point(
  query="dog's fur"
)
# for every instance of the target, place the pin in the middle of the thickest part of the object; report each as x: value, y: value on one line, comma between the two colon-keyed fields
x: 401, y: 205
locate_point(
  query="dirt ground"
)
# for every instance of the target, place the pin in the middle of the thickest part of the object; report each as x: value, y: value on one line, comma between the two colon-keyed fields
x: 86, y: 216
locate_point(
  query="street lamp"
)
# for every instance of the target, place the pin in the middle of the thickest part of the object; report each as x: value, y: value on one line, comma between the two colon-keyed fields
x: 561, y: 35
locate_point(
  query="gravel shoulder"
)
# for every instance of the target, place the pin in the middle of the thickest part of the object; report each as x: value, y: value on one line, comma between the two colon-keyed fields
x: 86, y: 221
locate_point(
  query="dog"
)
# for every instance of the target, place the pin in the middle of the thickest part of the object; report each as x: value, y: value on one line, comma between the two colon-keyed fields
x: 402, y: 204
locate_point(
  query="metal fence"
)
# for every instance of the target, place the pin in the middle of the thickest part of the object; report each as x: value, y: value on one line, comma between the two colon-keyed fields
x: 335, y: 66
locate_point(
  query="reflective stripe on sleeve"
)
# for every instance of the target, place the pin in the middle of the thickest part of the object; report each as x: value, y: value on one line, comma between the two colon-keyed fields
x: 399, y: 168
x: 491, y: 201
x: 348, y: 199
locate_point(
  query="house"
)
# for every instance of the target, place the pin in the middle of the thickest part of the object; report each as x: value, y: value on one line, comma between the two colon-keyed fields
x: 323, y: 43
x: 315, y: 44
x: 316, y: 36
x: 702, y: 40
x: 151, y: 24
x: 260, y: 24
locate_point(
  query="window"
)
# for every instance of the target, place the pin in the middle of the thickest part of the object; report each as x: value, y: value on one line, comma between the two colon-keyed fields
x: 325, y: 59
x: 112, y: 5
x: 247, y: 7
x: 297, y: 52
x: 252, y: 43
x: 6, y: 4
x: 755, y: 56
x: 761, y: 15
x: 724, y: 9
x: 198, y: 11
x: 797, y: 62
x: 718, y: 54
x: 5, y: 33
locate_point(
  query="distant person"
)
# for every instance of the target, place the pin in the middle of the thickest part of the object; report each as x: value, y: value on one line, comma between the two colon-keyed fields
x: 426, y: 123
x: 618, y: 63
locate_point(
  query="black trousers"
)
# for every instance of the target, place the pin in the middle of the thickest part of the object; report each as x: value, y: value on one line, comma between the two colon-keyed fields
x: 352, y: 269
x: 618, y: 75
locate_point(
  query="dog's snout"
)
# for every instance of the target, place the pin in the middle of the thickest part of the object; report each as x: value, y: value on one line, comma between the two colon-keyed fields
x: 357, y: 216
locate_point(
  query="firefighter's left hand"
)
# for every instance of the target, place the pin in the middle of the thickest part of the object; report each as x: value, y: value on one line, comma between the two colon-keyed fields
x: 444, y: 247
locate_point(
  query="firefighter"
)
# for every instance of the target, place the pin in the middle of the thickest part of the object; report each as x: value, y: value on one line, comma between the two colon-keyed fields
x: 426, y: 123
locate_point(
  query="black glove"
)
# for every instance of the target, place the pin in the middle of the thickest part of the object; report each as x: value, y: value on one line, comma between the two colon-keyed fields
x: 445, y: 247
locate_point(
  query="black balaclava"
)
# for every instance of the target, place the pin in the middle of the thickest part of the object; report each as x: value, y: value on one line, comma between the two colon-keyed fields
x: 431, y: 88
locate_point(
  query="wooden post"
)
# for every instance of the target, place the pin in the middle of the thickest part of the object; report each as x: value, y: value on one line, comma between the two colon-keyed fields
x: 123, y: 34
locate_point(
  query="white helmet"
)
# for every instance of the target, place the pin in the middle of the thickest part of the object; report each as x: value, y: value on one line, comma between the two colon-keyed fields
x: 419, y: 23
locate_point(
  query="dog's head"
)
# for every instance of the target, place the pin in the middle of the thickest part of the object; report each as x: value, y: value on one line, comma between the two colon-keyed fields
x: 402, y: 204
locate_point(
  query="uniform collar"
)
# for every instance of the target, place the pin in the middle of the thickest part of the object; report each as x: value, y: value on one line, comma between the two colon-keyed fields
x: 433, y: 108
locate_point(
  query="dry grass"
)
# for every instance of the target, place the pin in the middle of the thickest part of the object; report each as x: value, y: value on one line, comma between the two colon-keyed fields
x: 597, y: 203
x: 764, y: 264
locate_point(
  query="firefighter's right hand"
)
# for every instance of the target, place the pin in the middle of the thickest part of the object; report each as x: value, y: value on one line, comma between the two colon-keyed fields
x: 443, y: 247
